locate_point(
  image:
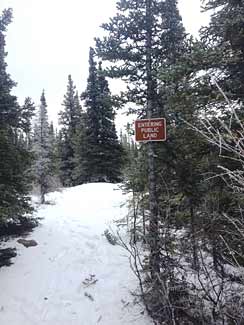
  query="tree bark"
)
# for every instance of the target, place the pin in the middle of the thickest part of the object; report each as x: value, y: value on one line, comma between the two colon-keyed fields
x: 195, y: 262
x: 154, y: 259
x: 42, y: 194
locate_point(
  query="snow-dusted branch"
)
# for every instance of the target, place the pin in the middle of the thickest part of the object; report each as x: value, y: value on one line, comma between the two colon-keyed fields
x: 227, y: 134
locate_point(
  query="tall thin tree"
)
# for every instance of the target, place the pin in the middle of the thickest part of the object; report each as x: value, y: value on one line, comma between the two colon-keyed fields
x: 42, y: 149
x: 137, y: 45
x: 104, y: 153
x: 70, y: 121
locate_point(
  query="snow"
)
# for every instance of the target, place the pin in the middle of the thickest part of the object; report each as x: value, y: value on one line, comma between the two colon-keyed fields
x: 74, y: 276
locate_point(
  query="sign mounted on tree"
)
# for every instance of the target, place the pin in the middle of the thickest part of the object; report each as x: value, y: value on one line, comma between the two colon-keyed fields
x: 150, y: 129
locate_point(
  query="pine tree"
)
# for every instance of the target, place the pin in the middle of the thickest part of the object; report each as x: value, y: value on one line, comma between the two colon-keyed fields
x: 70, y: 121
x: 221, y: 58
x: 54, y: 154
x: 8, y: 103
x: 42, y: 150
x: 104, y: 154
x: 146, y: 46
x: 223, y: 44
x: 27, y: 113
x: 142, y: 38
x: 15, y: 159
x: 79, y: 145
x: 126, y: 48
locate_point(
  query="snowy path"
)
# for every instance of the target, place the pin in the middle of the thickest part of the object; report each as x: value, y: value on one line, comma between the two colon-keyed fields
x: 45, y: 284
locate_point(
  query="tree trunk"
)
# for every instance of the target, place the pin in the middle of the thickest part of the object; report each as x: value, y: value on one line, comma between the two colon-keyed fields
x: 154, y: 259
x: 153, y: 221
x: 143, y: 221
x: 42, y: 194
x: 195, y: 263
x: 134, y: 217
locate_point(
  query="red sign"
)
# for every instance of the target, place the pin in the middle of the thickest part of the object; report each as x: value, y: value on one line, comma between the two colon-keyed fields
x: 151, y: 129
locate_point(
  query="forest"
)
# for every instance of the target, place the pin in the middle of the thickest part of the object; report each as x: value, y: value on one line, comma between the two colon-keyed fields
x: 186, y: 222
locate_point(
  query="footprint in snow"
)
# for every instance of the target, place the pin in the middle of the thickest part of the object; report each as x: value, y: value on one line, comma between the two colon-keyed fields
x: 89, y: 296
x: 83, y: 227
x: 87, y: 282
x: 99, y: 319
x: 91, y: 245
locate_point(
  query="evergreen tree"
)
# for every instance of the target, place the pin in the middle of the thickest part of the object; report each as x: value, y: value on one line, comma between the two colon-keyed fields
x: 54, y: 154
x: 142, y: 38
x: 126, y: 46
x: 79, y: 145
x: 169, y: 75
x: 145, y: 45
x: 220, y: 58
x: 103, y: 153
x: 27, y: 113
x: 9, y: 108
x: 70, y: 121
x: 42, y: 150
x: 15, y: 159
x: 223, y: 44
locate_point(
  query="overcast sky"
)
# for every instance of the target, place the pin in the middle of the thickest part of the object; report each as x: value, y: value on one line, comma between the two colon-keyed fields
x: 49, y: 39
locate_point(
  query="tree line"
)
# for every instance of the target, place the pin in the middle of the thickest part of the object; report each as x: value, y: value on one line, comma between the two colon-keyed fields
x: 187, y: 207
x: 35, y: 155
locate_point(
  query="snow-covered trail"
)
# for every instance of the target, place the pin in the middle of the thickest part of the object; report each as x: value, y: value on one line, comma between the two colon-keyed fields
x: 52, y: 283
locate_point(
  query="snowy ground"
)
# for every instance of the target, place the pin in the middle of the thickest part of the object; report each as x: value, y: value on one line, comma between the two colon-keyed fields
x: 74, y: 276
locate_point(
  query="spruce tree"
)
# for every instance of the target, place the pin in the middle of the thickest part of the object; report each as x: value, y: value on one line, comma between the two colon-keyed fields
x: 27, y: 113
x: 223, y: 44
x: 103, y: 153
x: 79, y: 145
x: 221, y: 58
x: 54, y: 155
x: 8, y: 102
x: 70, y: 121
x: 126, y: 45
x: 144, y: 45
x: 15, y: 158
x: 141, y: 39
x: 42, y: 150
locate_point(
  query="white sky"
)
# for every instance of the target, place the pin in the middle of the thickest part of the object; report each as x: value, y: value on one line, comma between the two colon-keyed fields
x: 49, y: 39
